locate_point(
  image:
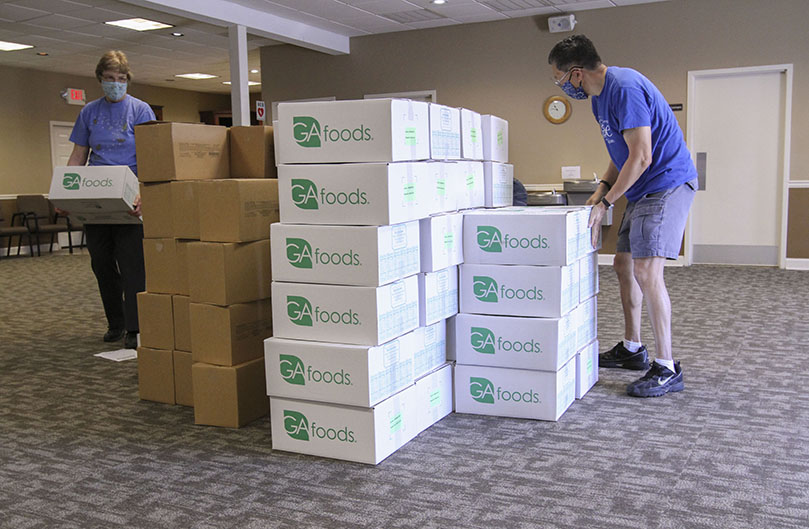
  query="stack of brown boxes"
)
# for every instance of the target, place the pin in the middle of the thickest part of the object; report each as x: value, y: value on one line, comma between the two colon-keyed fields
x: 206, y: 309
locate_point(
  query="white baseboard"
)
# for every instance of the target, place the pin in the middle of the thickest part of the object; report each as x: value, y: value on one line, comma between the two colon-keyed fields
x: 796, y: 264
x: 606, y: 259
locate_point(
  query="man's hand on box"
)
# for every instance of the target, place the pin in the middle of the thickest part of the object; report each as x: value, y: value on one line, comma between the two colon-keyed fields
x: 136, y: 205
x: 595, y: 198
x: 596, y: 215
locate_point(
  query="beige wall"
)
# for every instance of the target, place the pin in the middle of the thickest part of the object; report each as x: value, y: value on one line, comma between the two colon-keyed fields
x: 501, y: 68
x: 29, y: 100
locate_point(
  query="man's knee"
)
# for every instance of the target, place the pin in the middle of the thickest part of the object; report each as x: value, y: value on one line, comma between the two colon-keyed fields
x: 648, y: 272
x: 623, y: 265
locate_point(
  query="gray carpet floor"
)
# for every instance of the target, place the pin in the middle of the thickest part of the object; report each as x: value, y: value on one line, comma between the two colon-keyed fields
x: 78, y: 449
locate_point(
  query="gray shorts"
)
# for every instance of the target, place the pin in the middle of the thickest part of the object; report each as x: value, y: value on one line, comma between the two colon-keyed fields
x: 654, y: 225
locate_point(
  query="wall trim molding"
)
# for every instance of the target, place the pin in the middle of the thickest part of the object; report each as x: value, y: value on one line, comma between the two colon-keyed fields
x: 794, y: 263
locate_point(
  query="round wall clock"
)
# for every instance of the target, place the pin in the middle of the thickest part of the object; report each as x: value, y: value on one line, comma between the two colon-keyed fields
x: 557, y: 109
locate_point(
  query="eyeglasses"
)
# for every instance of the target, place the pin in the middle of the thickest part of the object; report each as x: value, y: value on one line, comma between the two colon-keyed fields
x: 120, y: 78
x: 560, y: 82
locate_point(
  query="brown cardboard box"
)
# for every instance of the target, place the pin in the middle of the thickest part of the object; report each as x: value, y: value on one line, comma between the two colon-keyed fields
x: 227, y: 273
x: 181, y: 151
x: 182, y: 322
x: 237, y: 210
x: 229, y: 396
x: 183, y: 386
x: 252, y: 154
x: 156, y: 375
x: 160, y: 260
x: 185, y: 209
x: 156, y: 207
x: 155, y: 315
x: 230, y: 335
x: 182, y: 285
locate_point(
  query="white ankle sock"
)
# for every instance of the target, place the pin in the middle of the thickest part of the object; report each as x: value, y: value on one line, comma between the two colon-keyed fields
x: 666, y: 363
x: 632, y: 347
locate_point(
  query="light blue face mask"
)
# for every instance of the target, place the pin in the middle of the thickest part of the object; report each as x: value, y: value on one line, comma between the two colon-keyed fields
x: 113, y: 90
x: 573, y: 92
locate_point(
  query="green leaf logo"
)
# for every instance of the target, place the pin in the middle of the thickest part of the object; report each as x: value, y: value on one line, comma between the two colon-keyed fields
x: 306, y: 131
x: 481, y: 390
x: 296, y: 425
x: 485, y: 289
x: 299, y: 311
x: 71, y: 181
x: 292, y: 370
x: 490, y: 239
x: 299, y: 252
x: 482, y: 340
x: 304, y: 193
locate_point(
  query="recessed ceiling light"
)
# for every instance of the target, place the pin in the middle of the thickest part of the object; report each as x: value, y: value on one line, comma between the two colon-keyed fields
x: 196, y: 76
x: 177, y: 34
x: 253, y: 71
x: 438, y: 2
x: 249, y: 83
x: 42, y: 54
x: 138, y: 24
x: 13, y: 46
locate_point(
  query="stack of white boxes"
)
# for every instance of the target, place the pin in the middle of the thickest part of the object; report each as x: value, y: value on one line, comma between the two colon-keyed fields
x: 351, y: 373
x: 528, y: 306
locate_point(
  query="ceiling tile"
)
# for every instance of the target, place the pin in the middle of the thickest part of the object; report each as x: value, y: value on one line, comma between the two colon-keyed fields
x: 12, y: 13
x: 58, y: 22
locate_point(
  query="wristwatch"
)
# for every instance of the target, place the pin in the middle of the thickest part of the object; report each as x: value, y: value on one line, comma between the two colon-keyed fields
x: 606, y: 202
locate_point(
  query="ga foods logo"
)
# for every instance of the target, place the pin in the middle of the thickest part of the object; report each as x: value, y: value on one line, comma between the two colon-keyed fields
x: 73, y: 181
x: 486, y: 290
x: 300, y: 312
x: 482, y: 390
x: 295, y: 372
x: 305, y: 195
x: 297, y: 426
x: 484, y: 341
x: 490, y: 239
x: 301, y: 255
x: 307, y: 132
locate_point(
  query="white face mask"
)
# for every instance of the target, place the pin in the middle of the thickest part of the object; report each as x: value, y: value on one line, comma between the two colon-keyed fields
x: 113, y: 90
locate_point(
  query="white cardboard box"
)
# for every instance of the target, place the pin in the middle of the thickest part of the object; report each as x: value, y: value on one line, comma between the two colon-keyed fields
x: 544, y: 344
x: 471, y: 135
x: 499, y: 184
x: 438, y: 295
x: 434, y: 398
x: 431, y: 348
x: 365, y: 130
x: 343, y: 314
x: 586, y: 368
x: 101, y: 194
x: 471, y: 186
x: 444, y: 178
x: 344, y: 255
x: 516, y: 235
x: 356, y: 375
x: 588, y: 275
x: 586, y: 316
x: 502, y: 392
x: 441, y: 238
x: 369, y: 194
x: 364, y: 435
x: 445, y: 132
x: 495, y: 138
x: 538, y: 291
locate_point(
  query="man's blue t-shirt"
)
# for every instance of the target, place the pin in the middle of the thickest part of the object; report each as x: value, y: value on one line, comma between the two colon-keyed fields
x: 629, y: 100
x: 109, y: 130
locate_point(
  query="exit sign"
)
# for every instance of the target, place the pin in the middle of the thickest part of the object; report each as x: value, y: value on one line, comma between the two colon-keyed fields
x: 74, y: 96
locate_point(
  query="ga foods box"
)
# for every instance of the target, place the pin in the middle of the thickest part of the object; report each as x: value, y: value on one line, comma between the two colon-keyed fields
x: 101, y: 194
x: 438, y: 295
x: 471, y: 135
x: 356, y: 375
x: 369, y: 194
x: 586, y: 317
x: 366, y: 130
x: 431, y: 348
x: 444, y: 187
x: 433, y: 400
x: 445, y: 132
x: 544, y: 344
x: 588, y: 275
x: 540, y: 291
x: 470, y: 188
x: 531, y: 236
x: 586, y: 368
x: 344, y: 255
x: 364, y: 435
x: 441, y: 237
x: 502, y: 392
x: 353, y: 315
x: 495, y: 138
x: 498, y: 181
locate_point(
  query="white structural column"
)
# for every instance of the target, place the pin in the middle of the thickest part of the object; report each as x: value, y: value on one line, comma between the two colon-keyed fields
x: 239, y: 93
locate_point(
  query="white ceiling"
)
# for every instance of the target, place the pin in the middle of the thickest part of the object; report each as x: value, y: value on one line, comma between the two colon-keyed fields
x: 73, y: 33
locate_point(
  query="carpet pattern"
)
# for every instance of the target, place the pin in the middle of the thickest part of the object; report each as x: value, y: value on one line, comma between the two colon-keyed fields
x: 78, y: 449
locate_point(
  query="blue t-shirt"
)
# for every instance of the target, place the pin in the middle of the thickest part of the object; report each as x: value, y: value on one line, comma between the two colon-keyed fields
x: 630, y: 100
x: 109, y: 130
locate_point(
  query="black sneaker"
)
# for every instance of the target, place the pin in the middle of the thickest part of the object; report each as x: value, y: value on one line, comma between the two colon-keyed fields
x: 113, y: 335
x: 131, y: 340
x: 658, y: 381
x: 620, y: 356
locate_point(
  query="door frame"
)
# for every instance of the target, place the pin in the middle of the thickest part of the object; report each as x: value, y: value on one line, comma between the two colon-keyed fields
x: 51, y: 124
x: 787, y: 69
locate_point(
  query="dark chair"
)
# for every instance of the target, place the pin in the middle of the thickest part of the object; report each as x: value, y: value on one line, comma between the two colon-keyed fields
x: 16, y: 231
x: 42, y: 220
